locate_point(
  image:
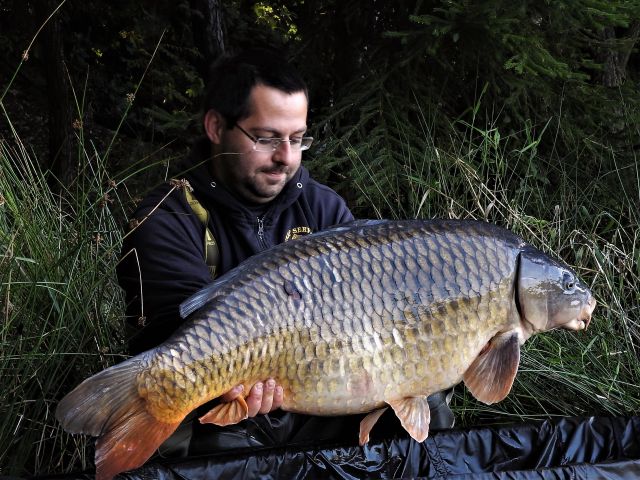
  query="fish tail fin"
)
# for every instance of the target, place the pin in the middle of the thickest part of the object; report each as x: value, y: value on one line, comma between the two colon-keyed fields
x: 108, y: 405
x: 130, y: 442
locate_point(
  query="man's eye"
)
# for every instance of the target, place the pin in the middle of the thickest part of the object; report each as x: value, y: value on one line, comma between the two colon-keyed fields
x: 266, y: 141
x: 295, y: 140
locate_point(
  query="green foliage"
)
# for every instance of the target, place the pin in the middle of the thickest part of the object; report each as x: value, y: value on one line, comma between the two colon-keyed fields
x: 60, y: 307
x: 61, y: 310
x: 503, y: 65
x: 124, y: 47
x: 278, y: 18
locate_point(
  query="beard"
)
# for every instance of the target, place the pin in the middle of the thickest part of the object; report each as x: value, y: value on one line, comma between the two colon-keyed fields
x: 267, y: 183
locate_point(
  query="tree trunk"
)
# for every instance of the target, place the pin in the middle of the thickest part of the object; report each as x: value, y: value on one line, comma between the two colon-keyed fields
x: 60, y: 161
x: 208, y: 30
x: 615, y: 60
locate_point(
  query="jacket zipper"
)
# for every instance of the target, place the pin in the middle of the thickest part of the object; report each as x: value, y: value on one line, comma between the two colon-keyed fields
x: 261, y: 231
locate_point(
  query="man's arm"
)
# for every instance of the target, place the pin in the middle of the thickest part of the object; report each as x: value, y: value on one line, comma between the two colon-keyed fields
x: 328, y: 207
x: 162, y: 265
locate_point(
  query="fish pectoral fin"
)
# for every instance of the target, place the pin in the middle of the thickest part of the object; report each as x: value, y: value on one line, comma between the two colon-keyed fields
x: 414, y: 415
x: 491, y: 375
x: 367, y: 424
x: 227, y: 413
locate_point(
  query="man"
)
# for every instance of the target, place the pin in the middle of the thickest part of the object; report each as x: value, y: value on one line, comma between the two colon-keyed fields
x: 249, y: 178
x: 247, y: 175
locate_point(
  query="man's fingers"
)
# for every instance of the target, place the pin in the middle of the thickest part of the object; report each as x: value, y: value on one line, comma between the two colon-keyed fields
x: 263, y: 397
x: 254, y: 400
x: 278, y: 397
x: 267, y: 396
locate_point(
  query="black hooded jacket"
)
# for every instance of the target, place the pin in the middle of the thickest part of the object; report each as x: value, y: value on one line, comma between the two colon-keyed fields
x: 166, y: 249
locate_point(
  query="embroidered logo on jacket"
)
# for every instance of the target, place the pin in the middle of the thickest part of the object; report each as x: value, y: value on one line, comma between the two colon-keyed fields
x: 296, y: 232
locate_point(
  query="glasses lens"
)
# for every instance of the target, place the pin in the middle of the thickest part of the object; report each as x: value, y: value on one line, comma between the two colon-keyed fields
x: 266, y: 144
x: 270, y: 144
x: 306, y: 143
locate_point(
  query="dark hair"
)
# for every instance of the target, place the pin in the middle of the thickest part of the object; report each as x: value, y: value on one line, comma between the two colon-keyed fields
x: 232, y: 77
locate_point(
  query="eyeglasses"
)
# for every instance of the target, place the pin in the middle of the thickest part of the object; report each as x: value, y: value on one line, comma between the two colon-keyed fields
x: 271, y: 144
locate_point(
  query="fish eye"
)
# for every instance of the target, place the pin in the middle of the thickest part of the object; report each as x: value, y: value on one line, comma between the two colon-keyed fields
x: 568, y: 281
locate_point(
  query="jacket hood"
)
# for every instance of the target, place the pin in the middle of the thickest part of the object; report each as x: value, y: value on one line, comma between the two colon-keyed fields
x: 216, y: 195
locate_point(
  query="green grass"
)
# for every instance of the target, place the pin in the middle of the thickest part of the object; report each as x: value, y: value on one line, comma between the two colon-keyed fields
x: 59, y: 302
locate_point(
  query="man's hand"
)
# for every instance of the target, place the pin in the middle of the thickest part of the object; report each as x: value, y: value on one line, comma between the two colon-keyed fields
x: 264, y: 397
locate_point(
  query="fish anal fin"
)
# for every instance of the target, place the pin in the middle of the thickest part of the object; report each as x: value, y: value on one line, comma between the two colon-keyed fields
x: 490, y: 377
x: 130, y: 442
x: 414, y: 415
x: 227, y: 413
x: 367, y: 424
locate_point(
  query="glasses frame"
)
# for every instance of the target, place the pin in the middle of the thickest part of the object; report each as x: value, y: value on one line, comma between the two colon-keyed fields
x: 275, y: 142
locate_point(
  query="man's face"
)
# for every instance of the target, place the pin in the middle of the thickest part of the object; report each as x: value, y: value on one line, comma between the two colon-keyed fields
x: 258, y: 177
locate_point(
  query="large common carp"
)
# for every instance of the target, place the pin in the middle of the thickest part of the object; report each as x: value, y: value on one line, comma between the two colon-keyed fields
x: 354, y: 319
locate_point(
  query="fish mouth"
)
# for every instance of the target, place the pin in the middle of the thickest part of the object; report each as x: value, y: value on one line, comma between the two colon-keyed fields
x: 582, y: 321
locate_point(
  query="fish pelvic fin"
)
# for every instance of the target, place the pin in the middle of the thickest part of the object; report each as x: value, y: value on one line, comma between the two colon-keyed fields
x: 414, y: 415
x: 227, y: 413
x: 367, y: 424
x: 490, y: 377
x: 108, y: 405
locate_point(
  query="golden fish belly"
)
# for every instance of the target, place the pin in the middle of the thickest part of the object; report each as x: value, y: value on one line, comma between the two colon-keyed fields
x: 358, y: 373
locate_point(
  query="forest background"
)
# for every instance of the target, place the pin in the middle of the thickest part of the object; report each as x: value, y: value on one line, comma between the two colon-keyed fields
x: 521, y: 113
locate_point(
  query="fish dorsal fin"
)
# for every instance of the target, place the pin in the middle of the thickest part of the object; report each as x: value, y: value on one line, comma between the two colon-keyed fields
x: 198, y: 299
x: 491, y: 375
x: 227, y: 413
x: 367, y: 424
x: 414, y: 415
x: 207, y: 293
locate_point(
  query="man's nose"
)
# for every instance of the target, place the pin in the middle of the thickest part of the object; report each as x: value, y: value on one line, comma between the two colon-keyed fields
x: 284, y: 153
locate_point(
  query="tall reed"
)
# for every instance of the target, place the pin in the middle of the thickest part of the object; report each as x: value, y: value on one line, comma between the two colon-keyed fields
x: 61, y: 309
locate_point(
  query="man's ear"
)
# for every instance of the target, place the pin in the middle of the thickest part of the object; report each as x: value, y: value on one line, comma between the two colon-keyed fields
x: 213, y: 125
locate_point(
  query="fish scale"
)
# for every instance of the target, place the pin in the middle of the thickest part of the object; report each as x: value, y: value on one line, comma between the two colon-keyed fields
x: 346, y: 321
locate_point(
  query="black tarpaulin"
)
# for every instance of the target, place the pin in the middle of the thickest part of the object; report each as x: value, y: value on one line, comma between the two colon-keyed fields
x: 568, y: 448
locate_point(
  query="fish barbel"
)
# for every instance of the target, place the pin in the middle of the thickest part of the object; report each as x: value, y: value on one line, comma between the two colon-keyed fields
x: 350, y: 320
